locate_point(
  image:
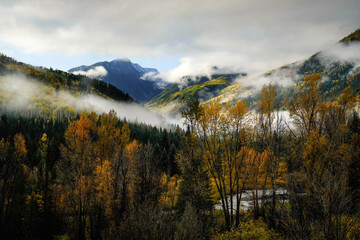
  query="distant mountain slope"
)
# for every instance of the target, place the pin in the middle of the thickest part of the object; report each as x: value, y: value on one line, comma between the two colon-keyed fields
x: 353, y: 37
x: 126, y: 76
x: 338, y: 65
x: 175, y: 97
x: 336, y: 74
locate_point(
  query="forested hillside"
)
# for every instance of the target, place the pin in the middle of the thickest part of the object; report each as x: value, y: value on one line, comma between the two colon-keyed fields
x: 61, y: 80
x: 46, y: 91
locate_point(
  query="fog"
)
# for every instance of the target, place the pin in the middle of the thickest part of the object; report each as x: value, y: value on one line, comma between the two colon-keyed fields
x: 343, y: 53
x: 20, y: 93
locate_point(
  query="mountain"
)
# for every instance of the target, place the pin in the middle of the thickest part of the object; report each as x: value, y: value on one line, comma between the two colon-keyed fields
x: 339, y: 67
x: 126, y: 76
x: 175, y: 98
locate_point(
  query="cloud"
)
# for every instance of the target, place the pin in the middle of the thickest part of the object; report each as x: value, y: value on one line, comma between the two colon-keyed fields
x: 150, y: 76
x: 17, y: 92
x: 341, y: 52
x: 98, y: 72
x: 285, y: 76
x: 205, y: 65
x: 262, y: 34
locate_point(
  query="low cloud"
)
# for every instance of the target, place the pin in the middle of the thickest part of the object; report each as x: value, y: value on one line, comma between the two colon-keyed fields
x: 284, y: 76
x: 130, y: 111
x: 205, y: 65
x: 155, y: 77
x: 342, y: 52
x: 98, y: 72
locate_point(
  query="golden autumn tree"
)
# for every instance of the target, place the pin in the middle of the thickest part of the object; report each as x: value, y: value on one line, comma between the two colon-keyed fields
x: 269, y: 134
x: 221, y: 133
x: 104, y: 186
x: 234, y: 132
x: 257, y: 174
x: 106, y: 146
x: 122, y: 173
x: 108, y: 134
x: 306, y: 106
x: 266, y: 109
x: 98, y: 174
x: 76, y: 173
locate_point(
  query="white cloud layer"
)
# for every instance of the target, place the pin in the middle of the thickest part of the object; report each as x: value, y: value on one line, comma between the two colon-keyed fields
x: 98, y: 72
x: 340, y: 52
x: 254, y: 35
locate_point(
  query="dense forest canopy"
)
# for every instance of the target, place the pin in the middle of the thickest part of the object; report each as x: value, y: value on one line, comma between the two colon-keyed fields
x: 94, y: 176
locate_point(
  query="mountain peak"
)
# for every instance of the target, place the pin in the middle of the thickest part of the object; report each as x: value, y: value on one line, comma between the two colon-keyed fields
x: 126, y: 76
x: 121, y: 60
x: 353, y: 37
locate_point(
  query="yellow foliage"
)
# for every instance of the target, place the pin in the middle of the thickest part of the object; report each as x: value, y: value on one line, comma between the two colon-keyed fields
x: 314, y: 150
x: 170, y: 190
x: 20, y: 146
x: 267, y: 99
x: 103, y: 185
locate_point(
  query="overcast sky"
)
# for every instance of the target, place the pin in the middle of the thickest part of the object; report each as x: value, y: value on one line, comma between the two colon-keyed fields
x: 250, y: 35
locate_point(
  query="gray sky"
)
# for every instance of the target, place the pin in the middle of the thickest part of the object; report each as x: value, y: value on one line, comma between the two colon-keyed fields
x: 177, y: 37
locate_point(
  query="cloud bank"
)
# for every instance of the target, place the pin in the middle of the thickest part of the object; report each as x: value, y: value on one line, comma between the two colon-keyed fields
x: 256, y: 34
x: 341, y: 52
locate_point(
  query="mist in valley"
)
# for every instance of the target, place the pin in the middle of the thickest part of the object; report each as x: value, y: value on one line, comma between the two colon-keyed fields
x: 23, y: 95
